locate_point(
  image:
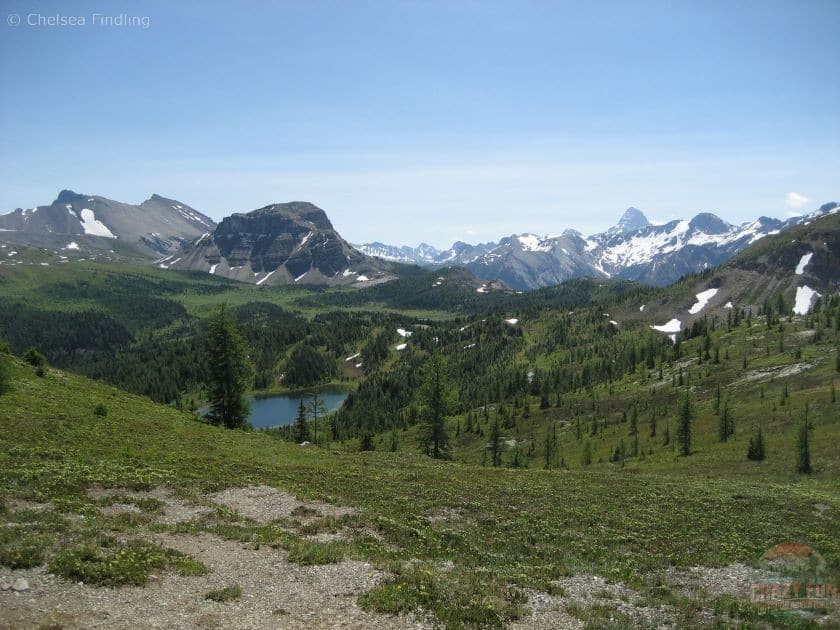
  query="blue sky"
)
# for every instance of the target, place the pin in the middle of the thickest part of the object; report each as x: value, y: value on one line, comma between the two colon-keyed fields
x: 414, y: 121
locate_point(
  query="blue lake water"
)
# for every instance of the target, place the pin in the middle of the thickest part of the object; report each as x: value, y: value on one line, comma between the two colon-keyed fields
x: 281, y: 409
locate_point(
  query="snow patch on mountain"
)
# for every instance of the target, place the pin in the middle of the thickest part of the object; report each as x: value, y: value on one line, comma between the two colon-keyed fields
x: 92, y: 226
x: 804, y: 298
x: 702, y: 299
x: 533, y: 243
x: 673, y: 326
x: 803, y: 262
x: 268, y: 275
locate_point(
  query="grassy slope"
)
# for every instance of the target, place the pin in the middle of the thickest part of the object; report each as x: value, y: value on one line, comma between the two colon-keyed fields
x: 198, y: 292
x: 521, y: 527
x: 751, y: 403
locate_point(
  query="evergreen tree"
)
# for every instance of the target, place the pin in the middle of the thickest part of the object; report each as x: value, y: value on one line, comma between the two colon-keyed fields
x: 726, y: 424
x: 300, y: 431
x: 317, y: 407
x: 587, y: 453
x: 634, y: 421
x: 5, y: 369
x: 229, y: 371
x: 496, y: 443
x: 366, y: 442
x: 436, y: 396
x: 516, y: 460
x: 684, y: 417
x: 550, y: 445
x: 756, y: 450
x: 34, y: 358
x: 803, y: 448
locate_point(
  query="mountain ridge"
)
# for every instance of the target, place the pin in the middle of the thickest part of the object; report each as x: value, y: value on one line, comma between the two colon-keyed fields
x: 281, y: 243
x: 93, y: 225
x: 633, y: 249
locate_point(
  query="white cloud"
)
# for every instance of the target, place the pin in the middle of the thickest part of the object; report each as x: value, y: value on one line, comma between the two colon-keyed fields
x: 795, y: 200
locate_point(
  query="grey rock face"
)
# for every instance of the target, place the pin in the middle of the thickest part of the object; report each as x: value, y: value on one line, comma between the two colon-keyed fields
x: 154, y: 228
x: 280, y: 243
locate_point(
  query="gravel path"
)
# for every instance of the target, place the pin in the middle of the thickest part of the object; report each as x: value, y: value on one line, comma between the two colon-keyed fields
x: 275, y: 594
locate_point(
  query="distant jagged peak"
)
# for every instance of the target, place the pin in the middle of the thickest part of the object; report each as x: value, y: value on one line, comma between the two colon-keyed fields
x: 633, y: 219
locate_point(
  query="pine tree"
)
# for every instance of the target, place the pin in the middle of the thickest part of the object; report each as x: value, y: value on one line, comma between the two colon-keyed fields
x: 634, y: 421
x: 516, y: 460
x: 587, y: 453
x: 229, y: 371
x: 301, y: 428
x: 316, y: 407
x: 5, y: 374
x: 5, y: 368
x: 726, y: 424
x: 550, y: 445
x: 684, y: 417
x: 34, y: 358
x: 756, y: 450
x: 803, y: 448
x: 496, y: 443
x: 436, y: 396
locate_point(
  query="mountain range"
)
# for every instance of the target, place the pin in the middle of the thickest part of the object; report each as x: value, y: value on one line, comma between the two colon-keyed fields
x: 94, y: 225
x: 634, y: 249
x: 295, y: 242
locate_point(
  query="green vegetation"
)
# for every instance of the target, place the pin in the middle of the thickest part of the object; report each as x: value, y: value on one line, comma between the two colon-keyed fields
x: 565, y: 434
x: 229, y: 372
x: 435, y: 396
x: 122, y: 564
x: 226, y: 594
x: 502, y: 529
x: 757, y: 449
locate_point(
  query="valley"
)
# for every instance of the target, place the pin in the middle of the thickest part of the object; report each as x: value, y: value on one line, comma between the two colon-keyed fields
x: 563, y: 496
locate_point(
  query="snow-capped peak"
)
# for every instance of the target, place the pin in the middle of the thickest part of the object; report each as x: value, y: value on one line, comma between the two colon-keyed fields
x: 632, y: 220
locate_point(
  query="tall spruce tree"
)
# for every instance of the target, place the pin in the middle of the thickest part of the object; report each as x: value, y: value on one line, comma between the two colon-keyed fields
x: 301, y: 428
x: 496, y: 443
x: 5, y: 368
x: 436, y: 396
x: 757, y: 449
x: 317, y: 408
x: 229, y: 371
x: 685, y: 414
x: 803, y: 447
x: 550, y: 445
x: 726, y: 423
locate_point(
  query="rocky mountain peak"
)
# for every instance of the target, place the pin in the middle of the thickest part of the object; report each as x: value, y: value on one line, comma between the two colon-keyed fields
x: 633, y: 219
x: 709, y: 224
x: 67, y: 196
x: 300, y: 212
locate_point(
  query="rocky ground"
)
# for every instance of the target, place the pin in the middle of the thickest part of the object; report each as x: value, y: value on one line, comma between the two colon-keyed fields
x: 277, y: 593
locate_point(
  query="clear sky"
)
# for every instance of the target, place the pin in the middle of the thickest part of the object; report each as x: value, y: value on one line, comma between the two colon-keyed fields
x: 410, y: 120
